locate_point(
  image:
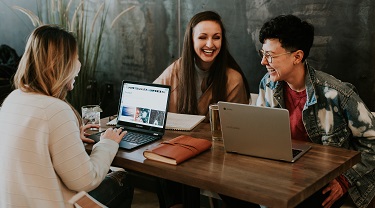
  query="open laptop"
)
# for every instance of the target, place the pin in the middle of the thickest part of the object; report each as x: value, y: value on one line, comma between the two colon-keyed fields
x: 258, y: 131
x: 142, y: 112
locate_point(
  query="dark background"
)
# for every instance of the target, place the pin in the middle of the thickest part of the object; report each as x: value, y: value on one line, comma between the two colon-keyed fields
x: 149, y: 38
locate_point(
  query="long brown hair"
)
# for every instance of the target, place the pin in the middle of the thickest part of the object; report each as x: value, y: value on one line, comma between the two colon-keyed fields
x: 187, y: 100
x: 47, y: 66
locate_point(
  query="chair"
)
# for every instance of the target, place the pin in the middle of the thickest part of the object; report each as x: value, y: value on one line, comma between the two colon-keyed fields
x: 253, y: 98
x: 4, y: 92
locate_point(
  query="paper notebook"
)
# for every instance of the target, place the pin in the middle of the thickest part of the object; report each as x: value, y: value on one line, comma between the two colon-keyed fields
x: 183, y: 122
x: 113, y: 122
x: 177, y: 121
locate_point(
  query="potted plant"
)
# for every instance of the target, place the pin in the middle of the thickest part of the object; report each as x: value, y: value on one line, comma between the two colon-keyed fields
x: 88, y: 20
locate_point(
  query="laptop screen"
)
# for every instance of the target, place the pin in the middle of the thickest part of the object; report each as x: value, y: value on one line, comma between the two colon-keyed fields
x: 143, y: 106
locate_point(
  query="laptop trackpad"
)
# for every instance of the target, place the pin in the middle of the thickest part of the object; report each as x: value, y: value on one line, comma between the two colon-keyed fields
x: 127, y: 145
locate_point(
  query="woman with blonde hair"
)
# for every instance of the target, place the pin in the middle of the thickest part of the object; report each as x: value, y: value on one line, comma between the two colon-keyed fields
x: 43, y: 160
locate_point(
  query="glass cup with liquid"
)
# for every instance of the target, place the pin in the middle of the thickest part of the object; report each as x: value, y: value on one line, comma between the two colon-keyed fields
x: 91, y: 115
x: 213, y: 110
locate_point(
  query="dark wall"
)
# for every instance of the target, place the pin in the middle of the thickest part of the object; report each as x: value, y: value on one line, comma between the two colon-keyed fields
x: 147, y: 39
x: 344, y: 44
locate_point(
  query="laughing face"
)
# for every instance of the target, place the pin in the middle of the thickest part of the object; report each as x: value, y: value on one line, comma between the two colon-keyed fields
x: 77, y: 67
x: 207, y: 38
x: 280, y: 68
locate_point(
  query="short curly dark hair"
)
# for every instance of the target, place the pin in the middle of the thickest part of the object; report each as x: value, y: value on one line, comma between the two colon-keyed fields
x: 293, y: 33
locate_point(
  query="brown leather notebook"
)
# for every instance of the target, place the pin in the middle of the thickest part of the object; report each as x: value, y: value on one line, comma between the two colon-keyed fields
x: 177, y: 150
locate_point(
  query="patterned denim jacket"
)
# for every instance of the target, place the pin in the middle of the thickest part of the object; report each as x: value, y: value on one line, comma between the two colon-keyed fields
x: 334, y: 115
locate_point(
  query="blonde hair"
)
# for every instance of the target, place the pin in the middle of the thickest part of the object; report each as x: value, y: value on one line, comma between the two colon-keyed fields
x: 47, y: 66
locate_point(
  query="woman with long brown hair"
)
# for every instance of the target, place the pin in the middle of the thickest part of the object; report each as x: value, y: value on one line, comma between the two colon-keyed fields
x: 206, y: 72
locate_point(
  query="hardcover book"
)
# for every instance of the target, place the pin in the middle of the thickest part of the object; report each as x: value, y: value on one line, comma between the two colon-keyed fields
x: 177, y: 150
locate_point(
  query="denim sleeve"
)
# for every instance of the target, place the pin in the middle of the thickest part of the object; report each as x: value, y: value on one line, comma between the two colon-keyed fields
x: 362, y: 125
x: 261, y: 97
x: 267, y: 92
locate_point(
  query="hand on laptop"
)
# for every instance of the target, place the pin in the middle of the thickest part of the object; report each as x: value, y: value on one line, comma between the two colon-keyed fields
x: 84, y: 134
x: 113, y: 134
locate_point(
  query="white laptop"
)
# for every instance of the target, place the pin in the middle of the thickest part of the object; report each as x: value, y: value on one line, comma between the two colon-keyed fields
x: 258, y: 131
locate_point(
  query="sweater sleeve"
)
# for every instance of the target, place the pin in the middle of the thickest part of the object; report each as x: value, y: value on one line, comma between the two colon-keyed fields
x: 236, y: 89
x: 168, y: 76
x: 75, y: 167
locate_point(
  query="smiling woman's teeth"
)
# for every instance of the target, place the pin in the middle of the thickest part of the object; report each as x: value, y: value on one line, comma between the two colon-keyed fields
x: 208, y: 51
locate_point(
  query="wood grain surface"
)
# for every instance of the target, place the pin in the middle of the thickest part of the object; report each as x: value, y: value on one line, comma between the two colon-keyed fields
x: 263, y: 181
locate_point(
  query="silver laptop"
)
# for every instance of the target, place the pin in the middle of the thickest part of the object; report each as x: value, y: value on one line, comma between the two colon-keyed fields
x: 258, y: 131
x: 142, y: 112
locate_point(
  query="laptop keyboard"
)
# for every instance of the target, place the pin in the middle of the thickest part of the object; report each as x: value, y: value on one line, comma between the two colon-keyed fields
x: 296, y: 152
x: 136, y: 138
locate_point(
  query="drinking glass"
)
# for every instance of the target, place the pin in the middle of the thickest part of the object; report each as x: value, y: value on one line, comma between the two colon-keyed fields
x: 215, y: 122
x: 91, y: 115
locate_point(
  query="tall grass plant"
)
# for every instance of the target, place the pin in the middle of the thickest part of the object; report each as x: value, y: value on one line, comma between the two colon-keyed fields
x: 88, y: 21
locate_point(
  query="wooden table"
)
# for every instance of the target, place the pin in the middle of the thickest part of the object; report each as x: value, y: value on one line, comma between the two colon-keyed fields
x: 262, y: 181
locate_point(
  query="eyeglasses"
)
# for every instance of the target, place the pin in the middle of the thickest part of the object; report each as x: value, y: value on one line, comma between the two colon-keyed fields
x: 269, y: 57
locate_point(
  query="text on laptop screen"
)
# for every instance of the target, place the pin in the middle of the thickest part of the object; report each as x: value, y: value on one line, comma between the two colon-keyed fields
x: 141, y: 104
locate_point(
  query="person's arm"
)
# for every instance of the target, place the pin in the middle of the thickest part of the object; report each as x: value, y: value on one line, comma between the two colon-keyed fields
x: 77, y: 170
x: 261, y: 100
x: 335, y: 192
x: 236, y: 89
x: 84, y: 134
x: 167, y: 76
x: 362, y: 125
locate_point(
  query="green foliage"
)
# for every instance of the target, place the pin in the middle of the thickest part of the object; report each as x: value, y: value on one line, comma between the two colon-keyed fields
x: 88, y: 22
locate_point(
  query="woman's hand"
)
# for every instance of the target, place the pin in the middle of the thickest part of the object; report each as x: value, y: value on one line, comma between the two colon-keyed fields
x: 114, y: 134
x: 83, y: 133
x: 336, y: 192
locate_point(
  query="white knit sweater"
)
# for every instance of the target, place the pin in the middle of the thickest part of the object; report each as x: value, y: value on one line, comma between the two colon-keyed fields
x: 43, y: 162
